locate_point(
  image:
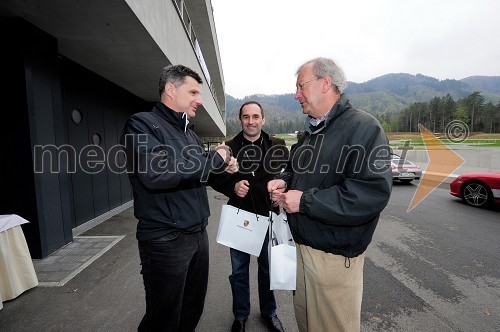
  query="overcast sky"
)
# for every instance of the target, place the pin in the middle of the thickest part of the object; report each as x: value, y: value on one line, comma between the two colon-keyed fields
x: 262, y: 42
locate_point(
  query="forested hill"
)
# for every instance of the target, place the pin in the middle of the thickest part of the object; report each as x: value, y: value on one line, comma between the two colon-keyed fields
x: 388, y: 93
x: 484, y: 83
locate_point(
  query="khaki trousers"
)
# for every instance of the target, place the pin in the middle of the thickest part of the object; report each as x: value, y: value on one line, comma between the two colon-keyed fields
x: 329, y: 291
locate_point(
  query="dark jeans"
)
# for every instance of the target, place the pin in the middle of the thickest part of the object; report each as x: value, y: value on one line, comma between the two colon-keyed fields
x: 175, y: 274
x: 240, y: 284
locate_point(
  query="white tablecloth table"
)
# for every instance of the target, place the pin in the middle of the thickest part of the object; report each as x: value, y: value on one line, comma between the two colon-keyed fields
x: 17, y: 273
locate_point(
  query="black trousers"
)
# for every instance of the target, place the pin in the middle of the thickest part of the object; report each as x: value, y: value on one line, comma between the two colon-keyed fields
x: 175, y: 274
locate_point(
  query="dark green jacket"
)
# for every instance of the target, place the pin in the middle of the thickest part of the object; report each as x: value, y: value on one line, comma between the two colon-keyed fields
x: 343, y: 170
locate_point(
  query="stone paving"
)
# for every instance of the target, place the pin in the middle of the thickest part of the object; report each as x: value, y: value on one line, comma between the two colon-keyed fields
x: 62, y: 265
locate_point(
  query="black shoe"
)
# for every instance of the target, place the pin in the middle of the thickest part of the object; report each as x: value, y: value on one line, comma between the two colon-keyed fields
x: 273, y: 324
x: 238, y: 326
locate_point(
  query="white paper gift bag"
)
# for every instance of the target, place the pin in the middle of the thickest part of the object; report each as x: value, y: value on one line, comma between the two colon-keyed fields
x: 283, y: 255
x: 242, y: 230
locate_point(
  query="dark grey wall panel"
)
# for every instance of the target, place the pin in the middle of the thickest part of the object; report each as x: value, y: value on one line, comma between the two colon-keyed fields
x: 98, y: 170
x: 105, y: 108
x: 41, y: 77
x: 36, y: 191
x: 110, y: 142
x: 83, y: 202
x: 126, y: 188
x: 17, y: 194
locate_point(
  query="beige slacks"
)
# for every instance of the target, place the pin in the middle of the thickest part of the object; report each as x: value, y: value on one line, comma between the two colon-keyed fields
x: 329, y: 291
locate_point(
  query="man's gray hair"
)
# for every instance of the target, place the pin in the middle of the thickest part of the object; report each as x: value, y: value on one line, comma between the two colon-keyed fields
x: 323, y: 67
x: 176, y: 75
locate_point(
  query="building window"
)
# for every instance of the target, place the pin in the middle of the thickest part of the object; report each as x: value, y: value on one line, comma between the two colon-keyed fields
x: 96, y: 139
x: 77, y: 117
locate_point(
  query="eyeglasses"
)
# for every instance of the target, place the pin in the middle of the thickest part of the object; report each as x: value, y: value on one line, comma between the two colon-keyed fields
x: 300, y: 86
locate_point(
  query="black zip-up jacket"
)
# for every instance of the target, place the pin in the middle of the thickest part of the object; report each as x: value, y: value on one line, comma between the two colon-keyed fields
x: 167, y: 168
x: 343, y: 170
x: 257, y: 169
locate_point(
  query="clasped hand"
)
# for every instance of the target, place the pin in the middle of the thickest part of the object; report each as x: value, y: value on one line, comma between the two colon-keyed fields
x: 290, y: 200
x: 225, y: 152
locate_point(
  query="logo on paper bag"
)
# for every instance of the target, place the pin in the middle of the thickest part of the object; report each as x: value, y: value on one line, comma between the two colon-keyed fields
x: 245, y: 223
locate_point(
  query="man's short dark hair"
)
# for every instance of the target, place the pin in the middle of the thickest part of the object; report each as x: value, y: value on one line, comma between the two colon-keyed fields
x: 252, y: 102
x: 176, y: 75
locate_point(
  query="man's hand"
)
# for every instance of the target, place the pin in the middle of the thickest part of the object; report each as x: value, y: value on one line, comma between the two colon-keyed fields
x: 291, y: 201
x: 241, y: 188
x: 232, y: 166
x: 276, y: 188
x: 225, y: 152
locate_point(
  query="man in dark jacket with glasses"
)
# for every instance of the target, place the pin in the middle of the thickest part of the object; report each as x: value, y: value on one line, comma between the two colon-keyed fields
x: 338, y: 181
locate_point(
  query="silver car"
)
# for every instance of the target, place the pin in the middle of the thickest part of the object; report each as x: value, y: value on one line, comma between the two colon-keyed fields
x: 404, y: 170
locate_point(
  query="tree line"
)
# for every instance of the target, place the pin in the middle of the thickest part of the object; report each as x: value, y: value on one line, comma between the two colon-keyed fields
x: 438, y: 112
x: 435, y: 115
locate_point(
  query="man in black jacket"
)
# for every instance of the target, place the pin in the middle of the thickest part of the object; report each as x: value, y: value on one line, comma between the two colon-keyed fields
x: 260, y: 157
x: 338, y: 181
x: 168, y: 169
